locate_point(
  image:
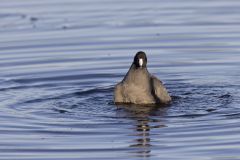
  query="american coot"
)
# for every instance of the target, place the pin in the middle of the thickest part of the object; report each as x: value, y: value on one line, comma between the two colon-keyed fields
x: 139, y: 86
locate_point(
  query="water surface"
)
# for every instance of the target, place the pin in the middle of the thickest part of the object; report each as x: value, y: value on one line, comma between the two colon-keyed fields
x: 60, y: 60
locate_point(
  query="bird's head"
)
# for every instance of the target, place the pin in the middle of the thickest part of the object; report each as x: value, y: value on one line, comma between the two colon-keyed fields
x: 140, y: 60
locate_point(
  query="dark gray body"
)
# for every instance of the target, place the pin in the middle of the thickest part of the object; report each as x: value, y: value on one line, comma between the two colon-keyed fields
x: 140, y: 87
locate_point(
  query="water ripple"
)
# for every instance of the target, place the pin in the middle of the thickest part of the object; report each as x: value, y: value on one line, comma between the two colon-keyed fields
x: 60, y: 61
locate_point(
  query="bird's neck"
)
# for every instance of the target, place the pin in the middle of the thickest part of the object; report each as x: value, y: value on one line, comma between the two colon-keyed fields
x: 137, y: 75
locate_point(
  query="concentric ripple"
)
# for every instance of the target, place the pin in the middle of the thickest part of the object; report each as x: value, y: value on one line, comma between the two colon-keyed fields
x: 60, y: 60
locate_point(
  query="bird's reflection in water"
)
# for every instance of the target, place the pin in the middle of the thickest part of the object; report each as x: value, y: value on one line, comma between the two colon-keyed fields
x: 144, y: 121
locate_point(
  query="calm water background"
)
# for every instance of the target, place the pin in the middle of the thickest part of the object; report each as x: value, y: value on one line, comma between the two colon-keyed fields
x: 59, y: 62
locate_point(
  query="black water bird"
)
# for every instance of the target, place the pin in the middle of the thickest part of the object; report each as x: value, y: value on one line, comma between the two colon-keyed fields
x: 139, y: 86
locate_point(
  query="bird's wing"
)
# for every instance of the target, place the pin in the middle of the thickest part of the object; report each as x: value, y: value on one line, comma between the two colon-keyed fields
x: 118, y: 97
x: 159, y: 90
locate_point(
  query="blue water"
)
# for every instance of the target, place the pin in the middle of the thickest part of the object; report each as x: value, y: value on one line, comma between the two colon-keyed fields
x: 60, y: 60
